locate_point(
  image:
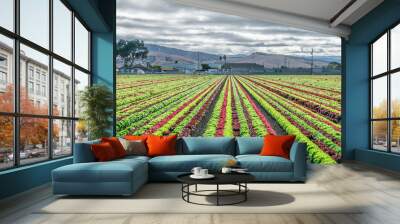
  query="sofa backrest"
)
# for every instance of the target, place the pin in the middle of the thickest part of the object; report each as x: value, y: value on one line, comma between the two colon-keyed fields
x: 207, y: 145
x: 83, y: 152
x: 249, y: 145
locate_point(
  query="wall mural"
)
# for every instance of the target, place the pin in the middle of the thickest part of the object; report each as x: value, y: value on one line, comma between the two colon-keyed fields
x: 194, y: 78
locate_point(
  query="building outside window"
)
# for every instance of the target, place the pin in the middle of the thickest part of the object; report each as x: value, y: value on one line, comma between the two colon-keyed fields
x: 59, y: 127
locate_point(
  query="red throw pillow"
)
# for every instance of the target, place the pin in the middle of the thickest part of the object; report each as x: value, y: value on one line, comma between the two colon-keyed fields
x: 161, y: 145
x: 103, y: 152
x: 277, y: 145
x: 116, y: 145
x: 136, y: 138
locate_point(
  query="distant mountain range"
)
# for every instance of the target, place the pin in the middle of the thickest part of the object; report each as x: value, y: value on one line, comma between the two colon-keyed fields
x: 161, y: 55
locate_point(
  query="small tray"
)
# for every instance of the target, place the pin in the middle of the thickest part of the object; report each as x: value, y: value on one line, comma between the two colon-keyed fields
x: 208, y: 176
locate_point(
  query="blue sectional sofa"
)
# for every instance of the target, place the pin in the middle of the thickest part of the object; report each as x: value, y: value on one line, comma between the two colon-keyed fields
x: 125, y: 176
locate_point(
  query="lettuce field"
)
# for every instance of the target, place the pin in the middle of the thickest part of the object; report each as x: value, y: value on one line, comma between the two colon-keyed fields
x: 308, y: 107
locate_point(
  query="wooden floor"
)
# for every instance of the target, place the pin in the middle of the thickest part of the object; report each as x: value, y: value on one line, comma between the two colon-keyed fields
x: 378, y: 189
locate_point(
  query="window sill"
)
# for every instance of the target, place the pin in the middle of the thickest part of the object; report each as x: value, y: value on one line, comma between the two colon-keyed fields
x: 30, y: 166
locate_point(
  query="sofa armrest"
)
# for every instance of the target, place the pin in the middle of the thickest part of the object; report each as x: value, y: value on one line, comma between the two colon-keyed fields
x: 298, y: 155
x: 83, y: 152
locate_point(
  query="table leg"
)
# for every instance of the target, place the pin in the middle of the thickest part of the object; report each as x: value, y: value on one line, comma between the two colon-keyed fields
x: 245, y: 193
x: 195, y: 188
x: 217, y: 194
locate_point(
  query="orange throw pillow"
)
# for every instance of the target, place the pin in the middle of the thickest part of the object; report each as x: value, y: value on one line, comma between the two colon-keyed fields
x: 277, y: 145
x: 161, y: 145
x: 103, y: 152
x: 116, y: 145
x: 136, y: 138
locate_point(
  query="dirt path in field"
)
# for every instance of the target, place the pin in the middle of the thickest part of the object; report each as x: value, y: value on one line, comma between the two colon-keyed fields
x: 201, y: 127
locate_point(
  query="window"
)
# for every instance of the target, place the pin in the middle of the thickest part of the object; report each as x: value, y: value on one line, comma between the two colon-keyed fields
x: 3, y: 78
x: 44, y: 111
x: 62, y: 74
x: 35, y: 21
x: 81, y: 82
x: 7, y: 14
x: 62, y: 29
x: 3, y: 61
x: 44, y: 91
x: 385, y: 94
x: 30, y: 72
x: 6, y: 73
x: 6, y: 142
x: 62, y: 137
x: 81, y: 45
x: 37, y: 89
x: 30, y: 88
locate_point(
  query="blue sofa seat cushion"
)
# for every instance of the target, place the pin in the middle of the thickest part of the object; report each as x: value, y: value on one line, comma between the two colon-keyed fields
x: 257, y: 163
x: 207, y: 145
x: 185, y: 163
x: 112, y: 171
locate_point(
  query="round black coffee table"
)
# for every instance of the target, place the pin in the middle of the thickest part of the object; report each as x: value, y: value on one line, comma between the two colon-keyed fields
x: 238, y: 179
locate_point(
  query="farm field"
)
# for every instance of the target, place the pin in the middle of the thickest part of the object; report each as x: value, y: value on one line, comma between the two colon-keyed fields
x: 235, y: 105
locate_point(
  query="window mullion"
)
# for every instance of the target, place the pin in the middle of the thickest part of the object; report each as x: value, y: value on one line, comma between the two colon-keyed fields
x: 389, y: 104
x: 73, y: 81
x: 16, y: 85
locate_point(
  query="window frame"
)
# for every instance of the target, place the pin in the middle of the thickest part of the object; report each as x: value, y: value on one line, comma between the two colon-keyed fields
x: 388, y: 74
x: 16, y: 114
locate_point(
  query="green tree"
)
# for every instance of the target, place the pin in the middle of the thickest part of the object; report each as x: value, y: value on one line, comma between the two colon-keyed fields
x: 131, y: 50
x: 205, y: 67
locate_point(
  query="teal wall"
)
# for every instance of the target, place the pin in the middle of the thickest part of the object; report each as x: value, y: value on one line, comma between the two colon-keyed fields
x: 355, y: 57
x: 99, y: 15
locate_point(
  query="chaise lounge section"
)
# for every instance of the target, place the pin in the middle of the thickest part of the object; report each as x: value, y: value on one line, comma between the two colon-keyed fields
x: 125, y: 176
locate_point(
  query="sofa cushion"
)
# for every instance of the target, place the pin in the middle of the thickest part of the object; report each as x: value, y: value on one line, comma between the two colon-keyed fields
x: 207, y: 145
x: 249, y: 145
x: 83, y: 152
x: 277, y: 145
x: 116, y: 145
x: 161, y: 145
x: 257, y: 163
x: 103, y: 152
x: 112, y: 171
x: 185, y: 163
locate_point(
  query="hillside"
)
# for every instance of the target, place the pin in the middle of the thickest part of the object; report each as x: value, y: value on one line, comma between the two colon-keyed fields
x: 161, y: 55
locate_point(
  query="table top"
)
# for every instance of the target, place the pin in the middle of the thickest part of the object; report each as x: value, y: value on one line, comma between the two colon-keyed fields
x: 220, y: 178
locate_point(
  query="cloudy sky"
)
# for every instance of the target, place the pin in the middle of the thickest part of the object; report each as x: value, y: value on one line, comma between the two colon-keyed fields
x: 169, y: 24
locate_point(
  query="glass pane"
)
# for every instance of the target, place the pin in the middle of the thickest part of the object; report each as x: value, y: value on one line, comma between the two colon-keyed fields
x: 35, y: 21
x: 62, y: 29
x: 81, y: 131
x: 379, y: 135
x: 395, y: 47
x: 81, y: 45
x: 62, y: 89
x: 81, y: 82
x: 6, y: 74
x: 379, y: 55
x: 7, y: 14
x: 379, y: 97
x: 34, y: 97
x: 33, y: 139
x: 62, y: 138
x: 6, y: 142
x: 395, y: 136
x: 395, y: 94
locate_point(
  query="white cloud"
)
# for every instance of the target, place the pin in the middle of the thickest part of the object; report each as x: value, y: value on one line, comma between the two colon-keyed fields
x: 169, y: 24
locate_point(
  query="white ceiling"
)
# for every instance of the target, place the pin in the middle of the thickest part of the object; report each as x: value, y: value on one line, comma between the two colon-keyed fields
x: 324, y: 16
